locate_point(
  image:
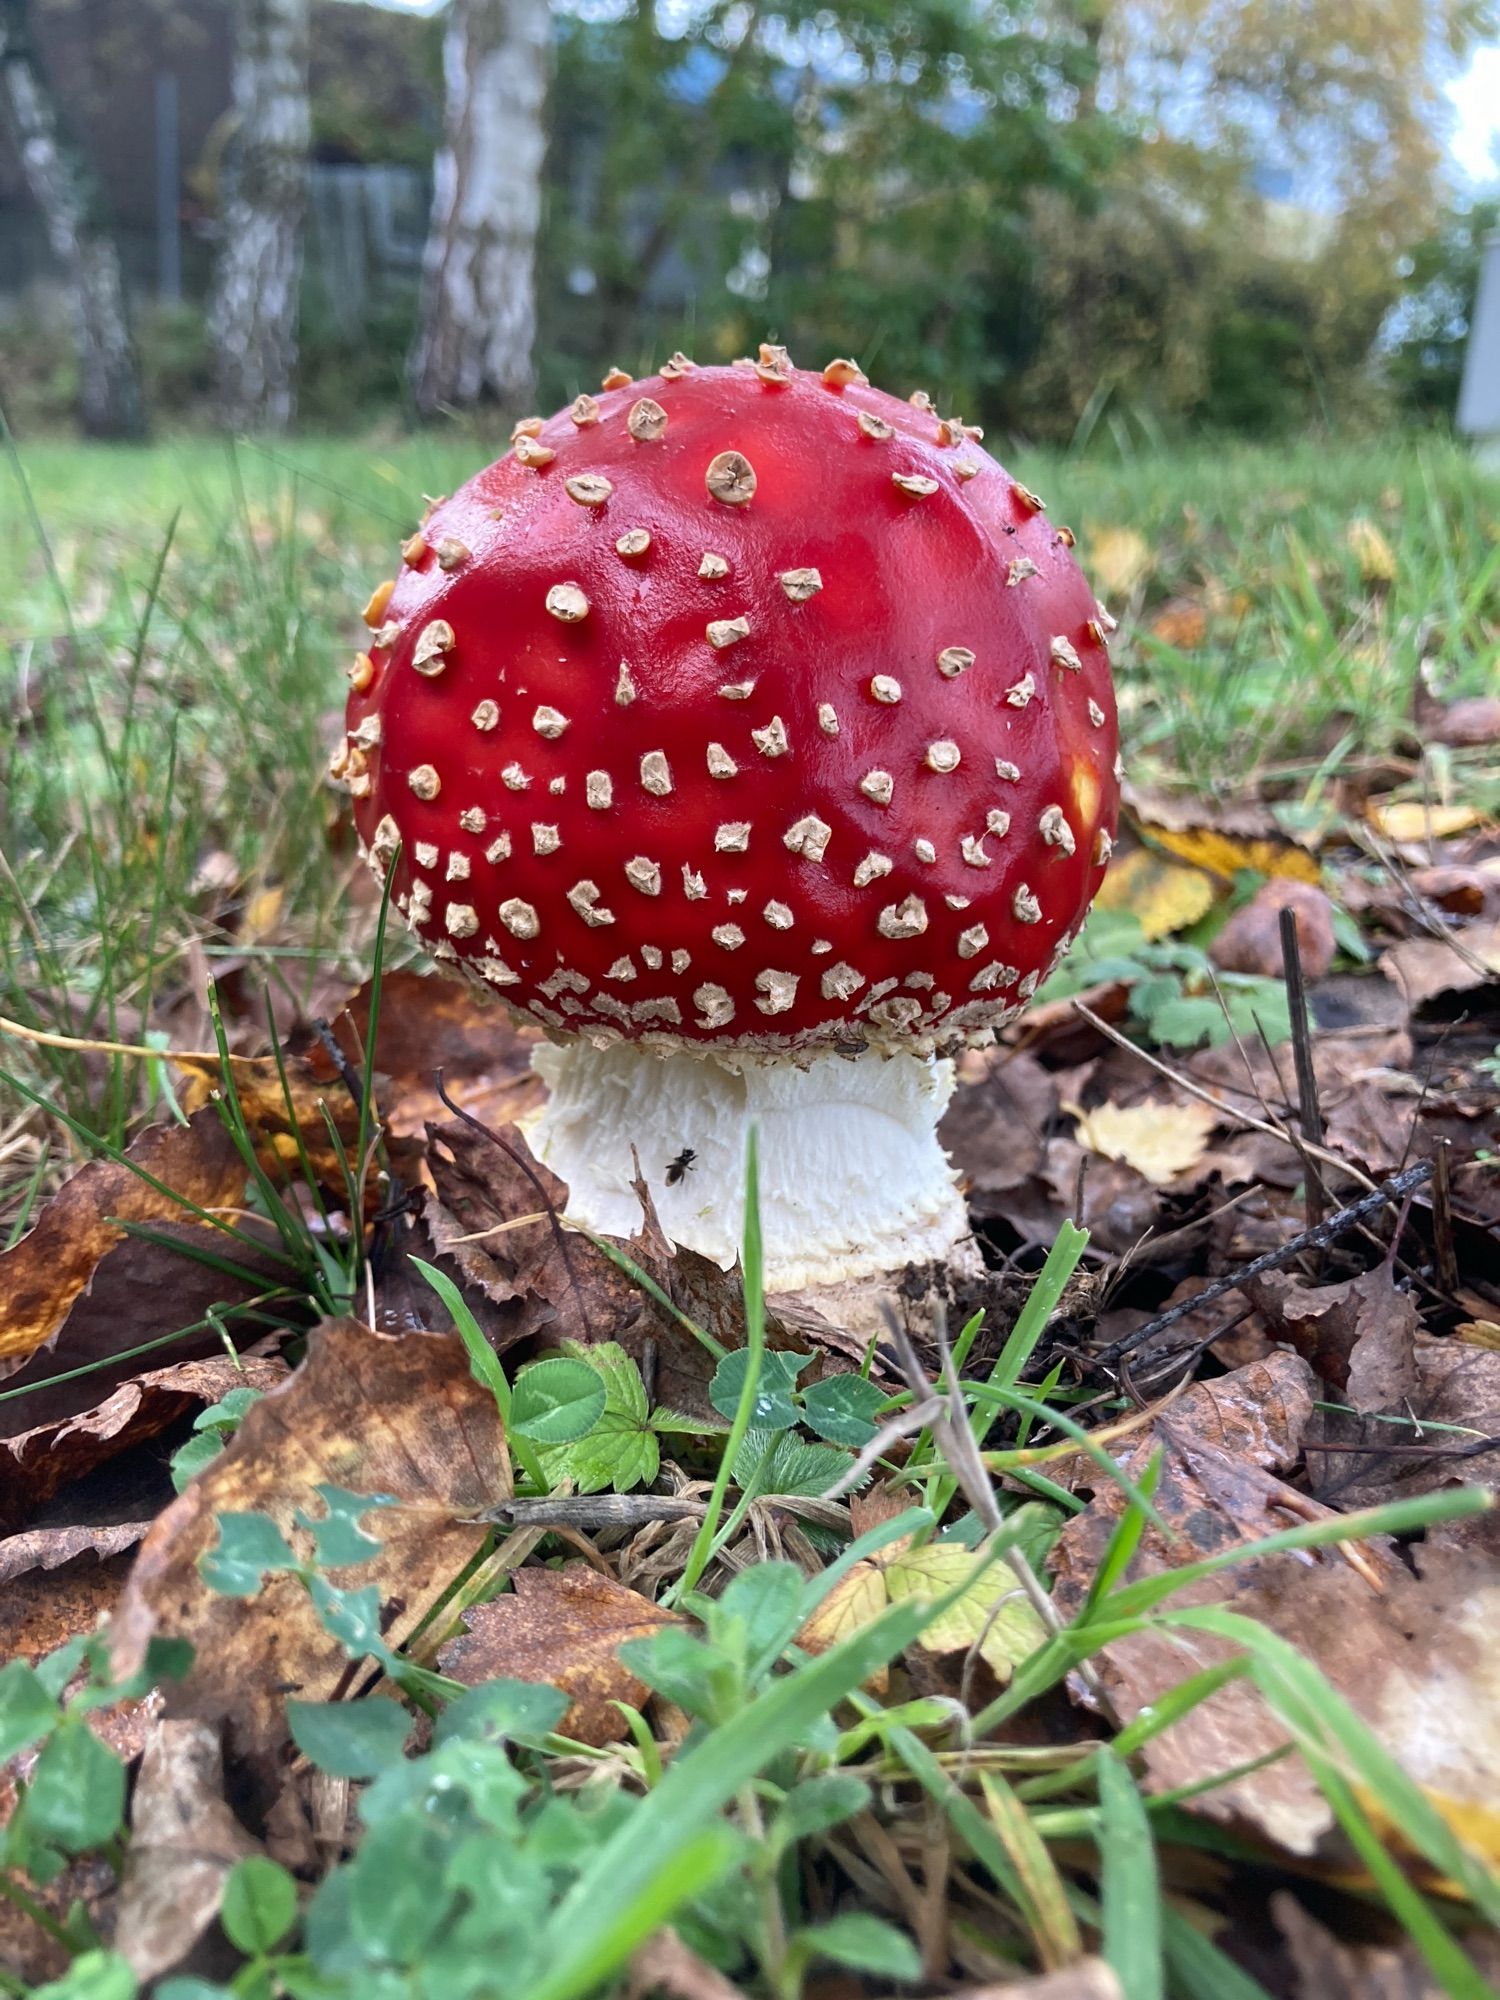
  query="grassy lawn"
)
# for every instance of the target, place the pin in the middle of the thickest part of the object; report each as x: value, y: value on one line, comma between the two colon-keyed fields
x: 175, y: 618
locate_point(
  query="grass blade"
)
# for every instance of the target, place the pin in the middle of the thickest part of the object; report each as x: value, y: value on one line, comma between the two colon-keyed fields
x: 1130, y: 1888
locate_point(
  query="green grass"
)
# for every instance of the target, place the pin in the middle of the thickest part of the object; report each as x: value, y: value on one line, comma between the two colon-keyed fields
x: 174, y: 620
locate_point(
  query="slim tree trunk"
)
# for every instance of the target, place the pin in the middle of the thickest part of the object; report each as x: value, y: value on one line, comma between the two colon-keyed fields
x: 479, y: 279
x: 254, y: 311
x: 109, y: 387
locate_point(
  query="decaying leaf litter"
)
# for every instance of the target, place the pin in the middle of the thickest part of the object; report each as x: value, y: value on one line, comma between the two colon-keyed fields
x: 1152, y: 1430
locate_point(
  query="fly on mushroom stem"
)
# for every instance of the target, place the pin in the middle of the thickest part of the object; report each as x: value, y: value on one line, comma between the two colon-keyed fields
x: 767, y: 724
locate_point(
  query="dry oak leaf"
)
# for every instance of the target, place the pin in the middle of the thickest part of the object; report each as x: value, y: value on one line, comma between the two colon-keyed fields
x: 44, y: 1273
x: 1360, y: 1335
x: 1159, y: 1138
x: 370, y: 1412
x: 564, y: 1627
x: 1162, y: 895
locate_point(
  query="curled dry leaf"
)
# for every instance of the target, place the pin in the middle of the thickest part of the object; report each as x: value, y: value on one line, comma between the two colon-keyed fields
x: 1359, y: 1336
x: 566, y: 1627
x: 1160, y: 1139
x: 44, y: 1273
x: 43, y: 1461
x: 1425, y: 967
x: 183, y: 1842
x: 285, y: 1119
x: 372, y: 1413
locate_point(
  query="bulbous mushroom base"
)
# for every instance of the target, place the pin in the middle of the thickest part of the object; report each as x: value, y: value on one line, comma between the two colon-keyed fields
x: 853, y: 1181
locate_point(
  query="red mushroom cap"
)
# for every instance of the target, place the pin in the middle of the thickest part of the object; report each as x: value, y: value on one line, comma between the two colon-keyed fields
x: 741, y: 706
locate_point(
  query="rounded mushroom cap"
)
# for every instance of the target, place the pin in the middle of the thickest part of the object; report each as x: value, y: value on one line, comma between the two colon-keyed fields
x: 743, y: 707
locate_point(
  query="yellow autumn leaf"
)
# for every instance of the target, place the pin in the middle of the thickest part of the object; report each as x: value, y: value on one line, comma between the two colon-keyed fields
x: 1159, y: 1139
x: 855, y: 1601
x: 1370, y: 549
x: 1480, y: 1333
x: 1231, y: 854
x: 261, y: 913
x: 1117, y: 559
x: 1163, y: 896
x: 1414, y: 819
x: 993, y: 1614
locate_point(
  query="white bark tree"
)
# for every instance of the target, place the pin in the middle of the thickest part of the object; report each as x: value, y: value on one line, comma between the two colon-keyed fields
x: 109, y: 386
x: 478, y: 317
x: 253, y: 316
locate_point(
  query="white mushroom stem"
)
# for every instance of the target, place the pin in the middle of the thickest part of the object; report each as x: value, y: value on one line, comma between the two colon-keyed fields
x: 853, y: 1181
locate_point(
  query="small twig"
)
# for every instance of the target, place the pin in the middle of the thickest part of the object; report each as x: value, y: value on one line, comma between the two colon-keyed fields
x: 559, y: 1235
x: 1442, y: 1219
x: 1309, y: 1111
x: 1309, y: 1239
x: 349, y: 1076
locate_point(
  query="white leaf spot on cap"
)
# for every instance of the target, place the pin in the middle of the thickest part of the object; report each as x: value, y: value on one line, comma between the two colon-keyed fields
x: 886, y: 689
x: 1096, y: 713
x: 715, y: 1008
x: 729, y: 936
x: 972, y: 941
x: 1019, y: 571
x: 549, y: 722
x: 924, y: 851
x: 879, y: 786
x: 644, y: 875
x: 841, y: 982
x: 772, y: 740
x: 486, y: 715
x: 544, y: 839
x: 634, y: 542
x: 461, y: 920
x: 840, y: 373
x: 778, y: 916
x: 917, y: 484
x: 972, y: 850
x: 647, y: 421
x: 651, y: 957
x: 426, y: 853
x: 584, y: 896
x: 1065, y: 654
x: 458, y: 867
x: 997, y: 822
x: 1025, y: 907
x: 944, y: 755
x: 656, y: 773
x: 990, y: 976
x: 693, y: 885
x: 903, y: 920
x: 514, y: 778
x: 733, y: 837
x: 589, y: 489
x: 498, y: 849
x: 530, y: 452
x: 958, y: 902
x: 828, y: 720
x: 871, y: 869
x: 1005, y: 769
x: 625, y: 687
x: 433, y: 641
x: 424, y: 781
x: 953, y: 661
x: 778, y: 991
x: 681, y: 960
x: 731, y: 478
x: 720, y: 763
x: 473, y: 819
x: 722, y: 632
x: 808, y: 836
x: 623, y: 968
x: 599, y: 790
x: 567, y: 602
x: 584, y: 411
x: 451, y: 554
x: 1020, y: 694
x: 1104, y: 847
x: 519, y: 918
x: 801, y: 584
x: 713, y: 566
x: 873, y: 426
x: 1033, y: 502
x: 965, y: 468
x: 737, y: 690
x: 1055, y: 830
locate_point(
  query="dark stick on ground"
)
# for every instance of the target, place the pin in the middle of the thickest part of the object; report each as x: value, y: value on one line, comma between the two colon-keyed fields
x: 1309, y: 1111
x: 1442, y: 1219
x: 1319, y: 1238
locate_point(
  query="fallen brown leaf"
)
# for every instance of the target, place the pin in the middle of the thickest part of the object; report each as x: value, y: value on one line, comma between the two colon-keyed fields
x: 44, y: 1273
x: 373, y: 1413
x: 1425, y: 967
x: 184, y: 1840
x: 564, y: 1626
x: 1251, y: 940
x: 45, y: 1460
x: 1359, y: 1335
x: 994, y: 1130
x: 1468, y: 724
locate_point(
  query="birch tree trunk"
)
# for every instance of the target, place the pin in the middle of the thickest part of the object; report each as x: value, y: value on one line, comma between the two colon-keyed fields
x: 254, y: 312
x: 478, y: 317
x: 109, y: 387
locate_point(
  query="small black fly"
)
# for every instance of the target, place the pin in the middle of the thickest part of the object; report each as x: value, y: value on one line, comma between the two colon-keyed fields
x: 678, y: 1167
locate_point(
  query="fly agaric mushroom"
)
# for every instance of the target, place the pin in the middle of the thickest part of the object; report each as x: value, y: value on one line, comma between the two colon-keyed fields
x: 751, y: 731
